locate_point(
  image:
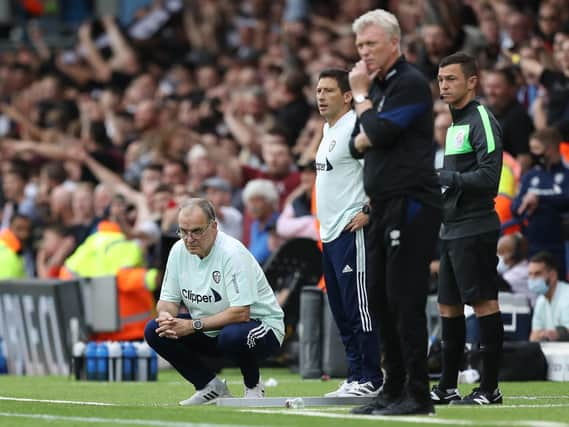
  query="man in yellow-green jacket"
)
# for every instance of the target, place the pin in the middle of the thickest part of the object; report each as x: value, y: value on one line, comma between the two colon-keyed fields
x: 12, y: 239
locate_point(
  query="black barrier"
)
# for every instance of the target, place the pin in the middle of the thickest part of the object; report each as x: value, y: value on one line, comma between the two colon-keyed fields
x: 37, y: 318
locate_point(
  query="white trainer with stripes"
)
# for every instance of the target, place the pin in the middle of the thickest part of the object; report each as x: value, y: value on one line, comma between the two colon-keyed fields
x: 364, y: 389
x: 257, y: 392
x: 343, y: 390
x: 213, y: 390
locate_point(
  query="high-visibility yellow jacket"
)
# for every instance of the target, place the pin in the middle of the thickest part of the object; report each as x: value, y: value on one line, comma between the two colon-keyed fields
x: 11, y: 262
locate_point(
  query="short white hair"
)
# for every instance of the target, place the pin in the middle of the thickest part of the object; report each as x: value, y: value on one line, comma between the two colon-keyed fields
x: 380, y: 17
x: 261, y: 188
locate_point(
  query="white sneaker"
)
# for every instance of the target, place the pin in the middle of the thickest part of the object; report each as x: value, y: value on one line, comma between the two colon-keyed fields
x: 343, y: 390
x: 209, y: 394
x: 363, y: 389
x: 257, y: 392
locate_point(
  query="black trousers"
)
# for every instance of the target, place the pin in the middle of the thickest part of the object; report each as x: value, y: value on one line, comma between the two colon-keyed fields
x: 400, y: 245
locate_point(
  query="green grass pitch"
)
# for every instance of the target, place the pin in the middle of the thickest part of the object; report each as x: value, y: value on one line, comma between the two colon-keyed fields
x: 62, y: 401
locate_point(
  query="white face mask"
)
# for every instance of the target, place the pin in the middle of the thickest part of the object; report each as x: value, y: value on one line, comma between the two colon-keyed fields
x: 502, y: 267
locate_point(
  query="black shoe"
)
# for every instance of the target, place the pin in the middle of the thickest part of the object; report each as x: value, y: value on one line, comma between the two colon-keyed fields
x: 444, y: 397
x: 479, y: 397
x: 407, y: 406
x: 381, y: 401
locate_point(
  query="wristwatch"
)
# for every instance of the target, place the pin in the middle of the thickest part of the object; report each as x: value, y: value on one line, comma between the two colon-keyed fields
x: 197, y: 324
x: 366, y: 209
x: 358, y: 99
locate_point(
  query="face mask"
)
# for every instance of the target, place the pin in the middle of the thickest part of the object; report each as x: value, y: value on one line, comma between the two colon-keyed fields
x: 502, y: 267
x: 538, y: 285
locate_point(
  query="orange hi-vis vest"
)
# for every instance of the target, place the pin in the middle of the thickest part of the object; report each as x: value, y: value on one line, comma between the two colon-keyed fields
x: 136, y: 305
x: 321, y: 282
x: 108, y: 252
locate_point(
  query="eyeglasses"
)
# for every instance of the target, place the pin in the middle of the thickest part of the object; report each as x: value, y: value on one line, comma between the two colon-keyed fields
x: 548, y: 18
x: 196, y: 233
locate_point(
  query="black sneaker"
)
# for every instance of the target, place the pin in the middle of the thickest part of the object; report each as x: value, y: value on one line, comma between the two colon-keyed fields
x: 381, y: 401
x: 407, y: 406
x: 444, y: 397
x: 479, y: 397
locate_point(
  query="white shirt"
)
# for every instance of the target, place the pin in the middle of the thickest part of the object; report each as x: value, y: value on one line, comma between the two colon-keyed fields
x: 228, y: 276
x: 340, y: 191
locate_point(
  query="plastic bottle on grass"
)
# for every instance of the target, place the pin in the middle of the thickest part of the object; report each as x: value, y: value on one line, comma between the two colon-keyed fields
x: 296, y: 403
x: 102, y: 362
x: 91, y: 359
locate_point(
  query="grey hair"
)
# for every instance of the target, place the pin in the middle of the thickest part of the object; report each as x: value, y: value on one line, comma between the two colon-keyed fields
x: 261, y: 187
x: 380, y: 17
x: 203, y: 204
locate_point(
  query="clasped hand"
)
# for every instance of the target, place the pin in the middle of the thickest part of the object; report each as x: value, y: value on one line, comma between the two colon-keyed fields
x: 172, y: 327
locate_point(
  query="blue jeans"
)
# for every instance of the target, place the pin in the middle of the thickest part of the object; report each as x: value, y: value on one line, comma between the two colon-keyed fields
x: 233, y: 342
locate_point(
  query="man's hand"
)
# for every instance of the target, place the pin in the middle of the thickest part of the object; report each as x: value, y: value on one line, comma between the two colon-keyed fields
x: 360, y: 80
x: 551, y: 335
x: 357, y: 222
x: 173, y: 327
x: 362, y: 143
x: 529, y: 204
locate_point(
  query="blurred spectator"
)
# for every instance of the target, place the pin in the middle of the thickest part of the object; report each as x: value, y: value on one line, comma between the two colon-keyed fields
x: 293, y: 109
x: 550, y: 320
x: 544, y: 197
x: 549, y: 22
x: 513, y: 264
x: 14, y: 181
x: 261, y: 200
x: 54, y: 248
x: 554, y: 107
x: 499, y: 87
x: 229, y: 220
x: 442, y: 123
x: 297, y: 219
x: 12, y: 241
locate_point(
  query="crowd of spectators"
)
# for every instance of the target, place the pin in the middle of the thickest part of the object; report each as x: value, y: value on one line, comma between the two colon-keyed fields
x: 217, y: 98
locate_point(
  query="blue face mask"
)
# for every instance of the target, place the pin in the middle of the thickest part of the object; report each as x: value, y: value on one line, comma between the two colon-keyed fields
x: 538, y: 285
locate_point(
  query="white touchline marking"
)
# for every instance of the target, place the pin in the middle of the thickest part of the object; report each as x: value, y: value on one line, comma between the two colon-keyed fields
x: 70, y: 402
x: 77, y: 402
x: 559, y: 396
x: 413, y: 419
x: 113, y: 421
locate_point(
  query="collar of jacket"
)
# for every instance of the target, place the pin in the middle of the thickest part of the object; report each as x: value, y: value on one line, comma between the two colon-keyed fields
x: 392, y: 71
x: 109, y: 226
x: 458, y: 114
x: 10, y: 240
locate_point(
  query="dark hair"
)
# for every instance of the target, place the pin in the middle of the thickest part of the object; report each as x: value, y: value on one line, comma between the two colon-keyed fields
x: 467, y: 63
x: 546, y: 258
x: 19, y: 168
x: 508, y: 73
x: 547, y: 136
x: 341, y: 77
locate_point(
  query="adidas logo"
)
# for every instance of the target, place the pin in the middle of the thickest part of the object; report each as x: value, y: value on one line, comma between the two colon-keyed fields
x: 347, y: 269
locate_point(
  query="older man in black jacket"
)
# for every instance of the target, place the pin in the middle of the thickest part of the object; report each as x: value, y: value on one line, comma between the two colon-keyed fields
x: 395, y: 133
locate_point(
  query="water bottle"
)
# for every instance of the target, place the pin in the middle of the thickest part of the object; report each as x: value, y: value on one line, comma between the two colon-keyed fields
x: 153, y: 375
x: 142, y: 361
x: 79, y: 349
x: 115, y: 361
x: 296, y: 403
x: 102, y: 362
x: 129, y: 361
x: 3, y: 361
x: 91, y: 358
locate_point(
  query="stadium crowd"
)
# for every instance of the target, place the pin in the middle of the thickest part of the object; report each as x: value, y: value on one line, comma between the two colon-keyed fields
x: 218, y: 100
